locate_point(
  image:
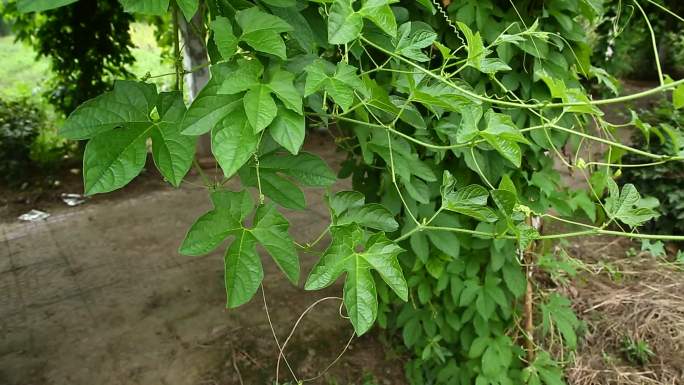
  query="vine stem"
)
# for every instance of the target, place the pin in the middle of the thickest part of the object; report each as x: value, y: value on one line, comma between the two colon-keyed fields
x: 619, y: 99
x: 176, y: 48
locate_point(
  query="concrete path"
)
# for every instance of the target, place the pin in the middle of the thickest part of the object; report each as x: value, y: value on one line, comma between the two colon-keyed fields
x: 98, y: 294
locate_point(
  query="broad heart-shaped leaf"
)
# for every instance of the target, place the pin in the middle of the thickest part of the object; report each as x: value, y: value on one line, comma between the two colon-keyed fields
x: 380, y: 13
x: 279, y: 189
x: 114, y: 158
x: 360, y: 295
x: 262, y: 31
x: 243, y: 270
x: 344, y: 24
x: 288, y: 130
x: 259, y: 107
x: 25, y: 6
x: 225, y: 40
x: 209, y: 108
x: 233, y: 142
x: 348, y: 207
x: 128, y: 104
x: 283, y: 87
x: 172, y: 152
x: 270, y: 230
x: 212, y: 228
x: 146, y: 7
x: 308, y: 169
x: 188, y: 7
x: 626, y: 205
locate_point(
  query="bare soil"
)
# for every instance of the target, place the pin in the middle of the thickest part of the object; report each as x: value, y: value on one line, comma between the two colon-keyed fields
x: 97, y: 294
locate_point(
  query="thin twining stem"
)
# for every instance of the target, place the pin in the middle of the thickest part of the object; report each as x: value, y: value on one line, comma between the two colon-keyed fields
x: 620, y: 99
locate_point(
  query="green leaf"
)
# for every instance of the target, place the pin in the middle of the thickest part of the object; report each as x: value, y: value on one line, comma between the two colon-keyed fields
x: 209, y: 108
x: 288, y: 130
x: 25, y: 6
x: 271, y: 231
x: 233, y: 142
x: 282, y: 86
x: 344, y: 24
x: 470, y: 200
x: 372, y: 215
x: 412, y: 37
x: 345, y: 200
x: 678, y: 97
x: 281, y: 3
x: 188, y: 7
x: 360, y: 296
x: 259, y: 107
x: 146, y: 7
x: 380, y: 13
x: 514, y: 278
x: 244, y: 76
x: 557, y: 313
x: 128, y: 104
x: 225, y: 40
x: 282, y: 191
x: 172, y: 152
x: 114, y: 158
x: 212, y: 228
x: 309, y: 169
x: 504, y: 200
x: 340, y: 85
x: 243, y: 270
x: 262, y: 31
x: 627, y: 205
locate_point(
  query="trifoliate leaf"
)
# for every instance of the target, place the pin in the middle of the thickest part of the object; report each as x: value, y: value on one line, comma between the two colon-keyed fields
x: 344, y: 24
x: 360, y: 296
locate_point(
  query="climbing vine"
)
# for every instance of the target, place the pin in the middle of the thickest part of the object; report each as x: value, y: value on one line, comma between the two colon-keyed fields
x: 452, y: 114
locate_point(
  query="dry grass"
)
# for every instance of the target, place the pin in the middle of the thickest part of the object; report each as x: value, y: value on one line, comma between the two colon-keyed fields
x: 619, y: 297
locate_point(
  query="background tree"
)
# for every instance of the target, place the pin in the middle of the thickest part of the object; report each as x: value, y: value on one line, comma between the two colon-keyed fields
x: 88, y: 44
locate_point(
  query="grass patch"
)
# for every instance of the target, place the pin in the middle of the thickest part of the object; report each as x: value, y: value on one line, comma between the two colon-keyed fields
x: 22, y: 74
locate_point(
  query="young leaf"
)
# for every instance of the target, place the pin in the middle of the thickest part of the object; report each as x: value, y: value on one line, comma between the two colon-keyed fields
x: 412, y: 37
x: 627, y: 205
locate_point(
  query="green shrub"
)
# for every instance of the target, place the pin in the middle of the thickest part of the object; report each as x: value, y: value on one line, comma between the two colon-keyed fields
x: 29, y: 145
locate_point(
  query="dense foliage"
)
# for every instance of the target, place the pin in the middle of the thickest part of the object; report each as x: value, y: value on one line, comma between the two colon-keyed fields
x: 88, y: 45
x: 622, y: 40
x: 451, y: 119
x: 661, y: 131
x: 29, y: 147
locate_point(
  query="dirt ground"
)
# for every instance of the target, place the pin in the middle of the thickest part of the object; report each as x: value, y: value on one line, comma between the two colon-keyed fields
x: 97, y: 294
